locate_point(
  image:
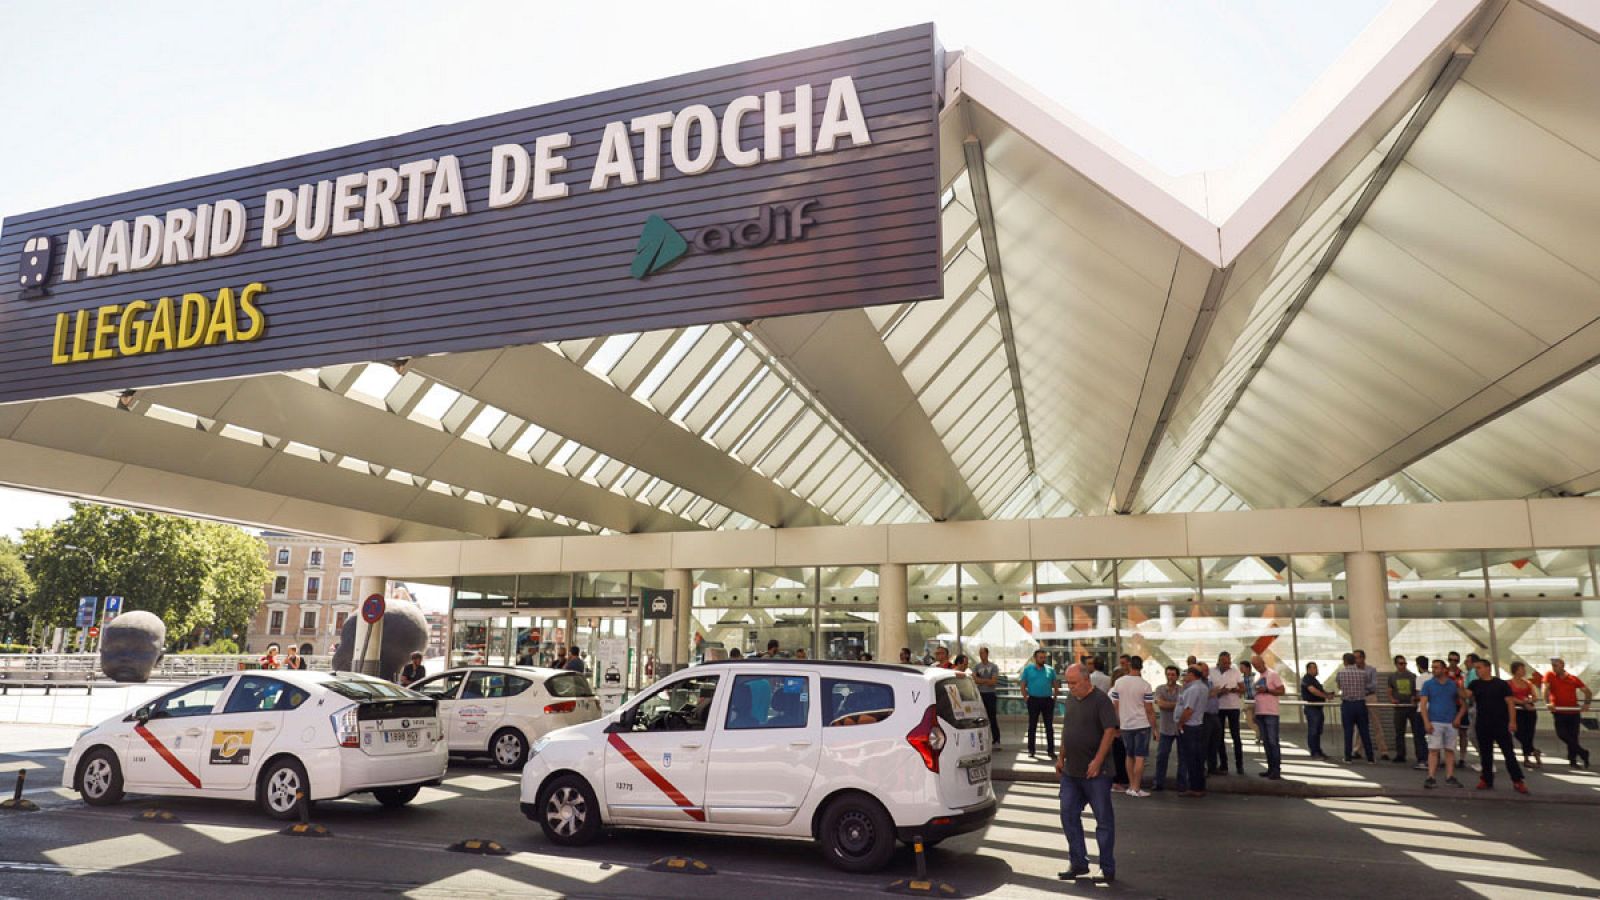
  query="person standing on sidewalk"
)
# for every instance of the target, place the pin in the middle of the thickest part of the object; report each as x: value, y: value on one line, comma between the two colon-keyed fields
x: 1212, y: 723
x: 1352, y: 683
x: 1088, y: 727
x: 1440, y: 697
x: 1192, y: 746
x: 1269, y: 687
x: 1167, y: 723
x: 1403, y: 691
x: 1136, y: 714
x: 1561, y: 690
x: 1313, y: 696
x: 987, y: 676
x: 1494, y: 722
x: 1039, y: 686
x: 1228, y: 685
x: 1525, y: 696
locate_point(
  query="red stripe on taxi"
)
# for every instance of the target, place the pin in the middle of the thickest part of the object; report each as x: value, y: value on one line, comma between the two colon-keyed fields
x: 656, y: 778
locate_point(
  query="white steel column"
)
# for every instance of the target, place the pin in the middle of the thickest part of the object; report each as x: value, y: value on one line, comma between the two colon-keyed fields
x: 678, y: 633
x: 891, y: 611
x: 1367, y: 587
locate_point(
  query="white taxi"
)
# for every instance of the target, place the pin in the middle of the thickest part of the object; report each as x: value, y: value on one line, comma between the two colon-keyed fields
x: 501, y: 710
x: 281, y: 738
x: 852, y: 755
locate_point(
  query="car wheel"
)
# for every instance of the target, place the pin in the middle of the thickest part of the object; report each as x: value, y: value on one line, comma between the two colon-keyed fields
x: 568, y: 811
x: 509, y: 748
x: 100, y: 778
x: 396, y: 797
x: 283, y: 788
x: 856, y: 834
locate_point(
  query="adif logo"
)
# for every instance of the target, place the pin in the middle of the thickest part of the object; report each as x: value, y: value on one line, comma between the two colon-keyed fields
x: 33, y: 268
x: 660, y: 245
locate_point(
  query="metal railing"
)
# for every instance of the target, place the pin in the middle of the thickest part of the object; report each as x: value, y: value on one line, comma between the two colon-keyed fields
x: 172, y: 665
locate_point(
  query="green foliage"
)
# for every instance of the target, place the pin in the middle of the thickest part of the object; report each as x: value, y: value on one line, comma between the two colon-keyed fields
x: 14, y: 648
x: 15, y: 588
x: 193, y: 574
x: 223, y: 647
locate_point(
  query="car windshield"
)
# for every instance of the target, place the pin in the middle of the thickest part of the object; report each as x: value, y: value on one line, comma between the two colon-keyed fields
x: 358, y: 688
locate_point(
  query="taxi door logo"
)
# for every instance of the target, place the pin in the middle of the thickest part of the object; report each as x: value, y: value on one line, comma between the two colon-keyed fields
x: 33, y: 269
x: 231, y: 748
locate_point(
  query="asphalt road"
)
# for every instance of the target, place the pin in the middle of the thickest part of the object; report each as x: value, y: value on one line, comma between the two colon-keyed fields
x: 1221, y: 846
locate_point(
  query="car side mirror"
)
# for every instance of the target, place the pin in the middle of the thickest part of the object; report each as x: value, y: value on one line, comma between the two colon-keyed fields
x: 142, y: 714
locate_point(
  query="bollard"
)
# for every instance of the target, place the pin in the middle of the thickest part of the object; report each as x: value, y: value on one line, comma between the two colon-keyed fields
x: 304, y: 828
x: 922, y: 885
x: 922, y: 858
x: 16, y: 802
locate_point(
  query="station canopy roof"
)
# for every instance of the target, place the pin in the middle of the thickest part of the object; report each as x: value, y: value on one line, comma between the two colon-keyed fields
x: 1394, y: 298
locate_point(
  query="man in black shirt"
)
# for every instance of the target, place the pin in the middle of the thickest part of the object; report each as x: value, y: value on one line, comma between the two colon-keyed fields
x: 1495, y: 719
x: 1088, y: 728
x: 414, y: 671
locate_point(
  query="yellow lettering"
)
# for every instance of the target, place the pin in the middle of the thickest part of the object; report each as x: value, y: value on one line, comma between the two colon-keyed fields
x: 161, y: 327
x: 192, y: 320
x: 80, y: 335
x: 105, y: 327
x: 58, y: 350
x: 224, y: 321
x: 130, y: 334
x: 247, y: 303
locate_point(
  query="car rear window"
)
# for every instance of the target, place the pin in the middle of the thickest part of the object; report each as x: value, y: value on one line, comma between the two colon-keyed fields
x: 568, y: 684
x: 959, y: 702
x: 365, y: 689
x: 848, y: 702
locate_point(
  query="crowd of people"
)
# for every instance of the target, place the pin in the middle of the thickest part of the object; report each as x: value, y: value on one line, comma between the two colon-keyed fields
x: 1112, y: 720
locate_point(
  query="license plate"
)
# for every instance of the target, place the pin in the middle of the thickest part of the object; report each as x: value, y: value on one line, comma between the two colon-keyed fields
x: 409, y: 738
x: 978, y: 774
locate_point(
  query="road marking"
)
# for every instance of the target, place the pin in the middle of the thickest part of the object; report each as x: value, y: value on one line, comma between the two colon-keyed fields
x: 656, y: 778
x: 1436, y: 841
x: 228, y: 834
x: 477, y: 783
x: 1494, y: 868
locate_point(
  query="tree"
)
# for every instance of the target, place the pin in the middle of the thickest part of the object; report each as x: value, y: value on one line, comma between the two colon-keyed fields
x: 194, y: 575
x: 15, y: 588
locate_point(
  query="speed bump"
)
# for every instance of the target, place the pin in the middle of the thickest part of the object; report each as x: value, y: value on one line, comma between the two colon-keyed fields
x: 157, y: 815
x: 481, y: 846
x: 307, y: 829
x: 681, y: 865
x: 922, y: 887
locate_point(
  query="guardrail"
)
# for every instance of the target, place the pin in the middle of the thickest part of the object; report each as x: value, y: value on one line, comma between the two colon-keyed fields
x: 172, y: 665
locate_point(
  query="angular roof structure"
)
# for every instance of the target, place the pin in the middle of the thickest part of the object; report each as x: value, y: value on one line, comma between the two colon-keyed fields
x: 1396, y: 298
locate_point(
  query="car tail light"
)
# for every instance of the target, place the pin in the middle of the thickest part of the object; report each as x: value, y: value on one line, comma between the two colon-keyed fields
x: 565, y: 706
x: 928, y: 739
x: 346, y: 727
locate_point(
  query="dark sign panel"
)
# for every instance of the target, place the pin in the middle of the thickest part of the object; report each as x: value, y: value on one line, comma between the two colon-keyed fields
x: 797, y: 183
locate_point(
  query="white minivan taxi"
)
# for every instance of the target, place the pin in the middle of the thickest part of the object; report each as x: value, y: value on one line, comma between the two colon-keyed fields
x: 500, y: 711
x: 281, y: 738
x: 852, y: 755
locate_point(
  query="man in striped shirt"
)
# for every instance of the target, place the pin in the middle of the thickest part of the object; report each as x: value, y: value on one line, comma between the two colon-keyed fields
x: 1353, y: 690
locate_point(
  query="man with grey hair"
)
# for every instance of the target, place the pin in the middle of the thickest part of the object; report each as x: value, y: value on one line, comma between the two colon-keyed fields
x: 1088, y: 728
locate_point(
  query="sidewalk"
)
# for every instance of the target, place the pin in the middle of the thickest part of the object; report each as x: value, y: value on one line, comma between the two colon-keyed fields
x: 1303, y: 776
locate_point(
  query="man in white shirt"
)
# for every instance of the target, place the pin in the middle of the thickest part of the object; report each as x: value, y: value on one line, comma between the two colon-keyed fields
x: 1228, y: 687
x: 1136, y: 715
x: 1098, y: 676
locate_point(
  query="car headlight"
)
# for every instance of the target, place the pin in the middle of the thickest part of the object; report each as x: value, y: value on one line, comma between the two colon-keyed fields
x: 86, y: 732
x: 538, y: 745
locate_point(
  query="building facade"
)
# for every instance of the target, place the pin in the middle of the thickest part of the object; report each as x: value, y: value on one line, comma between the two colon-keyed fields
x: 311, y: 594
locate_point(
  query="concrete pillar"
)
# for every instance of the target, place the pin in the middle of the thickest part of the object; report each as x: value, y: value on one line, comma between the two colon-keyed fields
x: 892, y: 611
x: 365, y: 655
x: 677, y: 636
x: 1367, y: 589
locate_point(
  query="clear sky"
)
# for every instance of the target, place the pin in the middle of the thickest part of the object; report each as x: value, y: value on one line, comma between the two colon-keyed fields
x: 102, y: 98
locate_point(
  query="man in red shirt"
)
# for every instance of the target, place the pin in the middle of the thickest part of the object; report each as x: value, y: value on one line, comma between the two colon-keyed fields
x: 1561, y: 691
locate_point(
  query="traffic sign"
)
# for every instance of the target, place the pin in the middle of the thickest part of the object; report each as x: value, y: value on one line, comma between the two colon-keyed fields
x: 113, y: 609
x: 94, y: 631
x: 87, y: 607
x: 657, y: 603
x: 372, y: 609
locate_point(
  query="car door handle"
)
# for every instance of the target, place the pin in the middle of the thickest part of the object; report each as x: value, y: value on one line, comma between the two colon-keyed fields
x: 266, y: 726
x: 193, y: 732
x: 799, y: 745
x: 690, y: 746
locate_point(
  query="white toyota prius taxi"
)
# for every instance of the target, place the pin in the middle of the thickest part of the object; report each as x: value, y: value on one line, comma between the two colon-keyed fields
x: 501, y: 710
x: 268, y: 737
x: 852, y: 755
